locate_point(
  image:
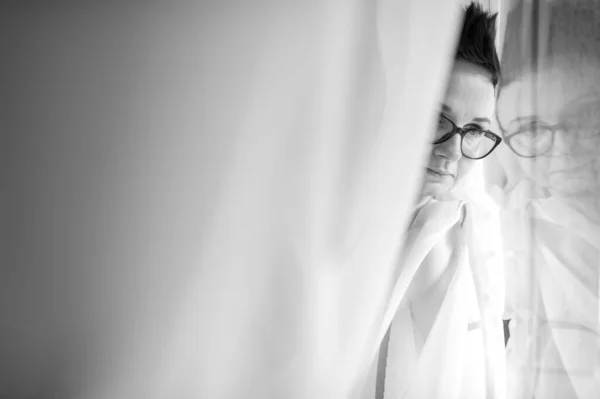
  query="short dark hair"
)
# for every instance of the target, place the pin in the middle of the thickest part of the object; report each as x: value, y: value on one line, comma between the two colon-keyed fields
x: 477, y: 40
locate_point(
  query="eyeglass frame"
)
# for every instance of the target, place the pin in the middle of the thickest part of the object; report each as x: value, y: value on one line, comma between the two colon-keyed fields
x: 463, y: 132
x: 553, y: 129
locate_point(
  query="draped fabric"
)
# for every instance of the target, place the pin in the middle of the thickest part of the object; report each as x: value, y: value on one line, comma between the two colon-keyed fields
x: 549, y: 101
x: 462, y: 355
x: 210, y: 200
x: 554, y: 345
x: 208, y: 197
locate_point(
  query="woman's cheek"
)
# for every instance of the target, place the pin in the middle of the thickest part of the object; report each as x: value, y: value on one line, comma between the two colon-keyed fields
x: 534, y: 168
x: 464, y: 167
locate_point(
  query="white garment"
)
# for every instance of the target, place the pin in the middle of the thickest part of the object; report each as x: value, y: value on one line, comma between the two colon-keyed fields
x: 553, y: 295
x: 451, y: 361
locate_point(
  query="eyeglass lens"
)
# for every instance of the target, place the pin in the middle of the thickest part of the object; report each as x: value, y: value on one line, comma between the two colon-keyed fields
x: 475, y: 143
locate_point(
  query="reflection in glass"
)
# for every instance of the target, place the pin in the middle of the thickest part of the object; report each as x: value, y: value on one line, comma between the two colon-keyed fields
x: 548, y: 109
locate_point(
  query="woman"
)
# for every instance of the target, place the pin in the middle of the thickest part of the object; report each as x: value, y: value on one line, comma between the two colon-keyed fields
x: 446, y: 337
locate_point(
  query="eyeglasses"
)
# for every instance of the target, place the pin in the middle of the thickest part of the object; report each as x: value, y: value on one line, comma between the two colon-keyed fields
x: 533, y: 137
x: 536, y: 139
x: 475, y: 143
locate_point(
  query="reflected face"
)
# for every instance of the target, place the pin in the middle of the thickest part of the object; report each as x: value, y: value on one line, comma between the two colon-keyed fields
x: 469, y: 102
x: 558, y: 111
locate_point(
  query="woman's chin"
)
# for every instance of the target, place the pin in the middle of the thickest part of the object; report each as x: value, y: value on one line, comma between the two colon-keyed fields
x: 435, y: 189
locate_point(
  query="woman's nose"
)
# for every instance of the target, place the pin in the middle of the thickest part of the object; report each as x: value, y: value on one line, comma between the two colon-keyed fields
x: 449, y: 149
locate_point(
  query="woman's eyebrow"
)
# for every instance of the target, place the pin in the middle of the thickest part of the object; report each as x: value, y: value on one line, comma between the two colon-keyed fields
x: 527, y: 118
x: 583, y: 101
x: 575, y: 107
x: 483, y: 120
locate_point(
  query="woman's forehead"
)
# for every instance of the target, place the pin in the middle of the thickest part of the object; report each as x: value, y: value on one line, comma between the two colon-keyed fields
x: 470, y: 93
x: 550, y: 92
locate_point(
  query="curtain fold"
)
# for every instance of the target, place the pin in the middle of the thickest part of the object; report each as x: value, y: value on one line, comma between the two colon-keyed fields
x: 214, y: 191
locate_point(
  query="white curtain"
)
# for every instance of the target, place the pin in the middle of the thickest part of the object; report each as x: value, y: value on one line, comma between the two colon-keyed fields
x: 205, y: 200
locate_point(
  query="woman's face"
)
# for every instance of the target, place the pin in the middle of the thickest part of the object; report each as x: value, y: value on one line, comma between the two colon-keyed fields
x: 564, y: 95
x: 469, y: 102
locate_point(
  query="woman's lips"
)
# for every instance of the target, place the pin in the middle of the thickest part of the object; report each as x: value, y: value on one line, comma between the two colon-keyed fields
x: 437, y: 172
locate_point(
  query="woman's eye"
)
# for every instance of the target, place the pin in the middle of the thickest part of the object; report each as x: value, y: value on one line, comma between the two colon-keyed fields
x: 473, y: 137
x: 474, y: 126
x: 532, y: 126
